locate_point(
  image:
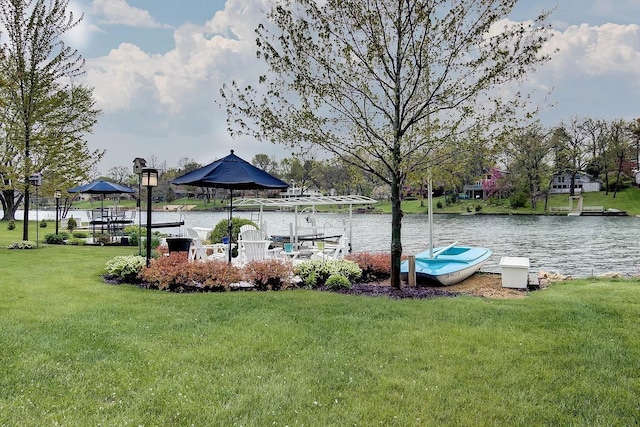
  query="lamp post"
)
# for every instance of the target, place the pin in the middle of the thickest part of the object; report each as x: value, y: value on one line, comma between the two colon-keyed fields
x: 149, y: 179
x: 36, y: 181
x: 57, y: 194
x: 139, y: 164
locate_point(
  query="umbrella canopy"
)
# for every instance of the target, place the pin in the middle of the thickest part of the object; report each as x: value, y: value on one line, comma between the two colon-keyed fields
x: 101, y: 187
x: 233, y: 173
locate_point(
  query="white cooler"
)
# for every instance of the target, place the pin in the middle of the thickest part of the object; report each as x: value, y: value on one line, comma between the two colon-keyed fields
x: 515, y: 272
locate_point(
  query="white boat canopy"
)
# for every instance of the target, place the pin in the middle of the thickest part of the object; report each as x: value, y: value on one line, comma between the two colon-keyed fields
x: 299, y: 203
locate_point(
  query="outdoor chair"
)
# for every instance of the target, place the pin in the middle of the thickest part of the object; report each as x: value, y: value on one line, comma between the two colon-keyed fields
x: 336, y: 251
x: 247, y: 227
x: 254, y: 250
x: 198, y: 251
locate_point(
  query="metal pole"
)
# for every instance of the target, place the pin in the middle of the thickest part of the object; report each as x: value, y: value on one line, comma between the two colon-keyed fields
x: 37, y: 219
x: 148, y: 224
x: 140, y: 213
x: 57, y: 213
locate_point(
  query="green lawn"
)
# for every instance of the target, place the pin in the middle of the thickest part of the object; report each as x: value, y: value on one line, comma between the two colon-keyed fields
x: 78, y: 352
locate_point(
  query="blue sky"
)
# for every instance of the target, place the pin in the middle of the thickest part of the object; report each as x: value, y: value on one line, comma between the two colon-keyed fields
x: 157, y: 67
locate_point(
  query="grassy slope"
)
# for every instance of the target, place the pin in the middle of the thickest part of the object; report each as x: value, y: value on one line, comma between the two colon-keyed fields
x: 76, y: 351
x: 627, y: 200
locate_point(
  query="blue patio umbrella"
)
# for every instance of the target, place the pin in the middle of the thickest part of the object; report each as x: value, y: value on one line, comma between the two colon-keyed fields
x: 233, y: 173
x: 102, y: 188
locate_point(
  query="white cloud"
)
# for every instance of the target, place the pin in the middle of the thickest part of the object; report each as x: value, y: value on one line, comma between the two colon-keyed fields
x: 596, y: 50
x: 165, y: 104
x: 80, y: 35
x: 120, y: 12
x: 190, y: 74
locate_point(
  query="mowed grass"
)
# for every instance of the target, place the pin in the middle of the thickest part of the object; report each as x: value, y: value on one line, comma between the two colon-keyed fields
x: 77, y: 352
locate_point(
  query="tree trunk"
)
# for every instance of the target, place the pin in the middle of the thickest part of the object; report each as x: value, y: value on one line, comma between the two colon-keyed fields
x: 618, y: 175
x: 396, y: 235
x: 9, y: 205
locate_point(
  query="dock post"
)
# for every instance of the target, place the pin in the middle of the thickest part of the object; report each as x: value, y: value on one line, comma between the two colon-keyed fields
x: 411, y: 275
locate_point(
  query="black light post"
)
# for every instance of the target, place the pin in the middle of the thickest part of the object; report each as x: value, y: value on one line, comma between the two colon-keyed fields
x: 149, y: 179
x: 139, y: 164
x: 57, y: 194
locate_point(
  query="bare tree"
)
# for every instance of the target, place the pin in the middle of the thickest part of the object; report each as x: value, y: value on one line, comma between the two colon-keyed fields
x: 382, y: 84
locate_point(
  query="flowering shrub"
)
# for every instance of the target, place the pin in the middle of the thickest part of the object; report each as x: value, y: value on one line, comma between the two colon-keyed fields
x: 270, y: 274
x: 175, y: 273
x: 375, y: 266
x: 24, y: 244
x: 337, y: 281
x: 315, y: 272
x: 125, y: 268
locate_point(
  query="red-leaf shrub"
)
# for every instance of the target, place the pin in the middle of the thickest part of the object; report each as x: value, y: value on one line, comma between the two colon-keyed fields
x: 271, y: 274
x: 214, y: 275
x: 375, y: 266
x: 175, y: 272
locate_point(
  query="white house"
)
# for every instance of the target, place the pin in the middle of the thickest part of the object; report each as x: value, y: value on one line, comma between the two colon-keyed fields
x: 584, y: 183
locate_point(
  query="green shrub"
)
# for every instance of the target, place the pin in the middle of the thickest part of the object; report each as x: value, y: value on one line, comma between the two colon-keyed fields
x: 221, y: 229
x: 478, y: 208
x: 518, y: 200
x: 43, y: 224
x: 439, y: 205
x: 71, y: 224
x: 126, y: 268
x: 315, y: 272
x: 24, y: 244
x: 80, y: 234
x: 134, y: 236
x: 11, y: 225
x: 56, y: 239
x: 76, y: 242
x: 338, y: 281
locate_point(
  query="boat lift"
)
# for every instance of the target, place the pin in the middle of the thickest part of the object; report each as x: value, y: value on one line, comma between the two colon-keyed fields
x: 302, y: 205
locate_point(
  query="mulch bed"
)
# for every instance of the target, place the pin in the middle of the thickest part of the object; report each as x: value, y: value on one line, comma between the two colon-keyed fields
x: 384, y: 290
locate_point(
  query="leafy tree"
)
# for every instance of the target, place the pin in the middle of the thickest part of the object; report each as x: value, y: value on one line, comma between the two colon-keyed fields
x: 620, y: 142
x: 44, y: 114
x: 266, y: 163
x: 120, y: 175
x: 383, y: 83
x: 301, y: 170
x: 528, y: 152
x: 573, y: 150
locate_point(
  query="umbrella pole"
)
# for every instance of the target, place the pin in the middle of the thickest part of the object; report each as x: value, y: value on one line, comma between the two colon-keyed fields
x: 230, y: 222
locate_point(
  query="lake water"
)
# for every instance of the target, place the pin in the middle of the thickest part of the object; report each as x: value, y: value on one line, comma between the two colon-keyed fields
x: 578, y: 246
